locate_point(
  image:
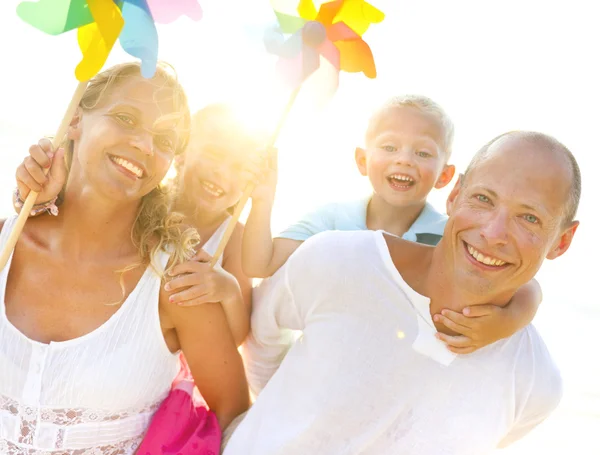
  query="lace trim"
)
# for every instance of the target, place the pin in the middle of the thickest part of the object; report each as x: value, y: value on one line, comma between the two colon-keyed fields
x: 68, y: 417
x: 29, y: 418
x: 122, y: 448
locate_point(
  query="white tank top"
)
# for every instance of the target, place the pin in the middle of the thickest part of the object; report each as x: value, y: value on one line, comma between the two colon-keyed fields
x: 211, y: 244
x: 90, y: 395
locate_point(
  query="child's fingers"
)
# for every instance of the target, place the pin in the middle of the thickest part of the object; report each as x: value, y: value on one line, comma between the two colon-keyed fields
x: 458, y: 341
x: 190, y: 267
x: 198, y: 301
x: 477, y: 311
x: 189, y: 295
x: 452, y: 325
x: 201, y: 256
x: 184, y: 281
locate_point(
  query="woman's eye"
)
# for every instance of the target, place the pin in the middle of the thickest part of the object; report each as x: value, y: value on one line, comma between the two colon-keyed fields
x: 482, y: 198
x: 125, y: 119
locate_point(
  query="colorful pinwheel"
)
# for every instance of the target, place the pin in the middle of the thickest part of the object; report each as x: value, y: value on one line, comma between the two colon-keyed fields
x: 101, y: 22
x: 333, y: 33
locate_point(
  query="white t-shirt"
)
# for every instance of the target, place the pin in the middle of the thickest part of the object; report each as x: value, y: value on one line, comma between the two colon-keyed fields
x: 367, y: 375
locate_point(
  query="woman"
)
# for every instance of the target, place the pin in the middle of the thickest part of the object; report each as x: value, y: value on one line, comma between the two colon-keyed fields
x: 89, y: 342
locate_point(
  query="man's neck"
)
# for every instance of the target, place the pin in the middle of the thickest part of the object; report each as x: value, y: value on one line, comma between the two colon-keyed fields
x: 444, y: 293
x: 395, y: 220
x: 426, y: 270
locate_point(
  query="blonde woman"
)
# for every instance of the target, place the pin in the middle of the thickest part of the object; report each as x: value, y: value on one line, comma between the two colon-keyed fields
x: 89, y: 342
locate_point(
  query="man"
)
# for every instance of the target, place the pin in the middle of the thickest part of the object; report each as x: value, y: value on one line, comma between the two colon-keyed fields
x: 369, y: 376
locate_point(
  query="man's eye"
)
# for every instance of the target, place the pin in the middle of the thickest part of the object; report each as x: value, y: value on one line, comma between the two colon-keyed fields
x: 482, y: 198
x: 531, y: 219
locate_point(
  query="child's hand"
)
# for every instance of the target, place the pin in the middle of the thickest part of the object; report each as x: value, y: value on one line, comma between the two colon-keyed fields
x: 478, y: 326
x: 31, y: 172
x: 263, y: 172
x: 195, y: 282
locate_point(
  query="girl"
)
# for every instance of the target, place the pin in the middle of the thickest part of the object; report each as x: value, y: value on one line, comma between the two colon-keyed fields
x: 81, y: 374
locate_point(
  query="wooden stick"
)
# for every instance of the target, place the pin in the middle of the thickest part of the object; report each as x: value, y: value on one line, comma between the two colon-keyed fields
x: 32, y: 196
x: 248, y: 191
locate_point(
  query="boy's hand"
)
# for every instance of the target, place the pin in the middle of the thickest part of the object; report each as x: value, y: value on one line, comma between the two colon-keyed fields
x: 195, y: 282
x: 31, y: 174
x: 478, y: 326
x: 262, y: 171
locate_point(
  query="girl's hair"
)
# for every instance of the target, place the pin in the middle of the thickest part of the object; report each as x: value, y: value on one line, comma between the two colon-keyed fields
x: 155, y: 228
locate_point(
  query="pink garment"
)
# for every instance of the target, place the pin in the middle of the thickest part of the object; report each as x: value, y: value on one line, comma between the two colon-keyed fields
x: 182, y: 425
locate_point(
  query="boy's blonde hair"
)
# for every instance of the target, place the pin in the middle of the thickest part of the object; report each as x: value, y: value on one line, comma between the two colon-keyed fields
x: 155, y: 228
x: 423, y: 104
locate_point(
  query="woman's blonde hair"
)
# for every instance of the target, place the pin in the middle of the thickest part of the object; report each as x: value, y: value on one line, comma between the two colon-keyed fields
x: 156, y: 228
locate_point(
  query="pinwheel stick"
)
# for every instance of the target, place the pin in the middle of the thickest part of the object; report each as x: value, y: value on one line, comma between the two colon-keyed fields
x: 248, y: 191
x: 32, y: 196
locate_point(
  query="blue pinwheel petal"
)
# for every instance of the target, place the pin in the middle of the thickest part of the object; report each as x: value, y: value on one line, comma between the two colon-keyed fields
x: 139, y: 37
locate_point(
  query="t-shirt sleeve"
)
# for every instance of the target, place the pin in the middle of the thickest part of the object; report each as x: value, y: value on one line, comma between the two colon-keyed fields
x: 319, y: 220
x: 274, y: 324
x: 544, y: 396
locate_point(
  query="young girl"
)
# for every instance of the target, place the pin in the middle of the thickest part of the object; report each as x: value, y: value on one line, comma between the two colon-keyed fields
x: 89, y: 342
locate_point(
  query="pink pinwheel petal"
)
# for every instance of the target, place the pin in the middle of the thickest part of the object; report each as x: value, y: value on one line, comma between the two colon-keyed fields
x: 328, y: 50
x: 167, y: 11
x: 341, y: 32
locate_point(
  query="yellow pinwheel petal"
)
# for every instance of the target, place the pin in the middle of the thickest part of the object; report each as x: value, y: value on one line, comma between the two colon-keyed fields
x: 97, y: 39
x: 307, y: 10
x: 358, y: 15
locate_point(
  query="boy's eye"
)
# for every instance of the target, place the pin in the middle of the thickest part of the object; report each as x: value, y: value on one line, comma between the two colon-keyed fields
x: 423, y: 154
x: 388, y: 148
x: 483, y: 198
x: 531, y: 218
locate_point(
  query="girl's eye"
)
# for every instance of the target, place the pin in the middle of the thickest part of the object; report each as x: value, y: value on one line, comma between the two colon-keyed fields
x: 482, y: 198
x: 166, y: 143
x: 423, y: 154
x: 531, y: 219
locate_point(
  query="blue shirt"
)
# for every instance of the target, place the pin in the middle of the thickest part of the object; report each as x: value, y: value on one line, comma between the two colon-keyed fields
x: 352, y: 216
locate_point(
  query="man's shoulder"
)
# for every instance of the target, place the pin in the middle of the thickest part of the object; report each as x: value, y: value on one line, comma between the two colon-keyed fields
x: 536, y: 363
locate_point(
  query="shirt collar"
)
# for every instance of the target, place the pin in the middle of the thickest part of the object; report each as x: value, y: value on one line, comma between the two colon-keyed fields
x: 430, y: 221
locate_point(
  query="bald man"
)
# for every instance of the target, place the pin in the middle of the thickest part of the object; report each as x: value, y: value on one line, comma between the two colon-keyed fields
x: 368, y: 376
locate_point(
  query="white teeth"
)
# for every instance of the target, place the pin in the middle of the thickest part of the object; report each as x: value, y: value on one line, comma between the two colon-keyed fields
x: 403, y: 178
x: 487, y: 260
x: 128, y: 165
x: 212, y: 189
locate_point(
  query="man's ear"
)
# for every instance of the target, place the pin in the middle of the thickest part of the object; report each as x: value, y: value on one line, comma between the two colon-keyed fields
x: 74, y: 131
x: 453, y: 196
x: 564, y: 241
x: 360, y: 156
x: 445, y: 176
